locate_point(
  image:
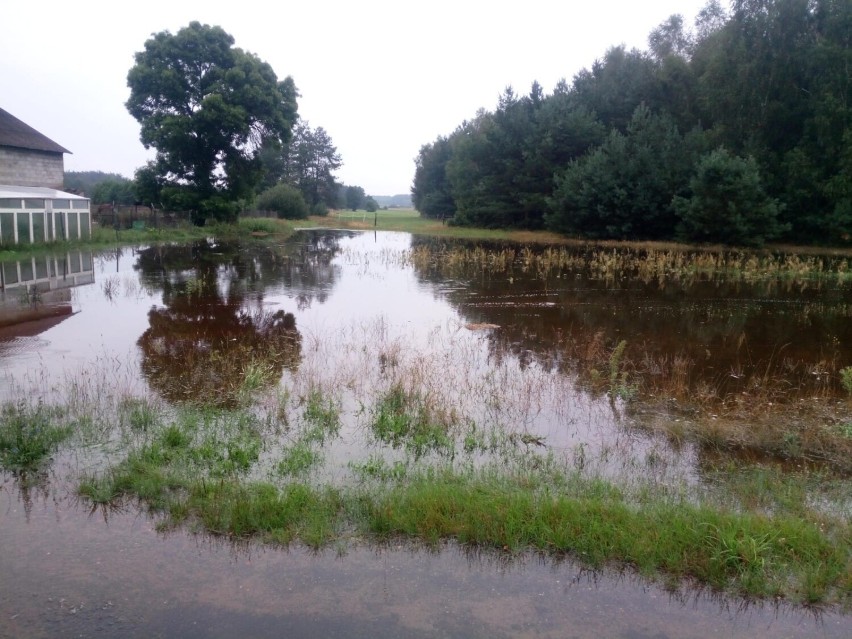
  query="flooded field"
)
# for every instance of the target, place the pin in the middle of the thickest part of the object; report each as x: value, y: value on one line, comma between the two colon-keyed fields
x: 230, y: 435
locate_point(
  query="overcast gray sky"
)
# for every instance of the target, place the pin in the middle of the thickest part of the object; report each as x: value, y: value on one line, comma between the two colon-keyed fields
x: 382, y: 77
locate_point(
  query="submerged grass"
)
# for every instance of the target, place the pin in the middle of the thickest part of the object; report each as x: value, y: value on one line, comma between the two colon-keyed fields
x: 406, y: 419
x: 647, y: 263
x: 749, y: 532
x: 549, y: 510
x: 29, y: 435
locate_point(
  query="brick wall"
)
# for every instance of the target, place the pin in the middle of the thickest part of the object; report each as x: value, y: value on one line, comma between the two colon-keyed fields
x: 19, y: 167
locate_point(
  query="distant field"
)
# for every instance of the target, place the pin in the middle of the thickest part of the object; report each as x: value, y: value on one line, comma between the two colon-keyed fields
x: 410, y: 221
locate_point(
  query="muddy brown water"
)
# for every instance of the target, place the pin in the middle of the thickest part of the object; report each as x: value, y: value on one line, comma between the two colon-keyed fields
x: 156, y: 320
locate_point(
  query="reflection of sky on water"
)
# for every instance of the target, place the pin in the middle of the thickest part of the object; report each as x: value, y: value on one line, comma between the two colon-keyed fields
x: 358, y: 301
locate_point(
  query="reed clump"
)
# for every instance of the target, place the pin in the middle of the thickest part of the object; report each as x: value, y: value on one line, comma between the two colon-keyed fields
x: 646, y: 264
x: 29, y: 435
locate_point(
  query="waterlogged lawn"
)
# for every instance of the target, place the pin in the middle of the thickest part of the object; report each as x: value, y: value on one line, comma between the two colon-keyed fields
x: 343, y: 389
x: 202, y: 468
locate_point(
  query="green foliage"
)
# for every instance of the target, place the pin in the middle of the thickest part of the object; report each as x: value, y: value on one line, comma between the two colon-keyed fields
x: 408, y: 420
x: 28, y: 435
x: 285, y: 200
x: 101, y: 187
x: 768, y: 81
x: 148, y: 185
x: 624, y: 187
x: 323, y: 417
x: 846, y: 379
x: 259, y: 225
x: 370, y: 205
x: 298, y: 459
x: 114, y: 190
x: 308, y: 162
x: 728, y: 203
x: 431, y: 192
x: 141, y: 414
x: 355, y: 197
x: 207, y: 108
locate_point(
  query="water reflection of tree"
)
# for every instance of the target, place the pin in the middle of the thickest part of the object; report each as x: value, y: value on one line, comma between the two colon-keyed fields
x: 214, y: 331
x: 724, y: 334
x: 310, y: 274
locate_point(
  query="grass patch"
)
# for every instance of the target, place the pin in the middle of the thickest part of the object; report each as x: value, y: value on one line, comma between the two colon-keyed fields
x: 749, y: 554
x: 322, y: 415
x: 195, y: 444
x: 754, y: 533
x: 407, y: 419
x: 260, y: 509
x: 29, y: 435
x: 298, y: 460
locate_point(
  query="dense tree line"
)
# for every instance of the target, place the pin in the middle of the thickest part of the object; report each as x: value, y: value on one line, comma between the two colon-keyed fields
x: 736, y: 130
x: 101, y: 187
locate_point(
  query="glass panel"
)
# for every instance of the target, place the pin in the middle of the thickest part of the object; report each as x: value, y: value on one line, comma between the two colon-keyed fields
x: 87, y: 261
x: 72, y: 226
x: 85, y: 232
x: 41, y: 268
x: 59, y: 226
x: 79, y: 204
x: 61, y: 204
x: 38, y: 227
x: 33, y: 204
x: 74, y: 263
x: 10, y: 203
x: 23, y: 228
x: 27, y: 273
x: 7, y: 228
x: 10, y: 272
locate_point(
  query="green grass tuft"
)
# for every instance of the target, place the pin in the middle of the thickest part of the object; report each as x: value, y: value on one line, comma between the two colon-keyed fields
x: 28, y: 435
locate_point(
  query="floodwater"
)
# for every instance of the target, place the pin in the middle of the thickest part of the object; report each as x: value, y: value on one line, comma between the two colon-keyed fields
x: 345, y: 311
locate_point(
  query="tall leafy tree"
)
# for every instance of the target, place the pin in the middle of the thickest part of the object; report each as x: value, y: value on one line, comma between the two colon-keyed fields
x: 208, y: 108
x: 355, y: 197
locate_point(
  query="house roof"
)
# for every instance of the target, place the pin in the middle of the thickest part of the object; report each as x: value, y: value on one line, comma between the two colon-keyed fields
x: 18, y: 134
x: 38, y: 192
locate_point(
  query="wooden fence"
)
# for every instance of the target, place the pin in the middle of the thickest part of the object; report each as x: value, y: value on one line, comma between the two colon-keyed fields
x: 127, y: 217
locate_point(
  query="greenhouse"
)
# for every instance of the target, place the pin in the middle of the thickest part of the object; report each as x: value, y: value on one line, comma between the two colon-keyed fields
x: 36, y: 214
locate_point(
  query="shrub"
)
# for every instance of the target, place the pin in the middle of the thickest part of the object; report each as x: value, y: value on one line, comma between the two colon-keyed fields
x: 285, y: 200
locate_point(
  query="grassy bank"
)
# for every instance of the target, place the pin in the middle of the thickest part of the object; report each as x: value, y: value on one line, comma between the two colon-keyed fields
x: 102, y: 237
x: 410, y: 221
x: 403, y: 220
